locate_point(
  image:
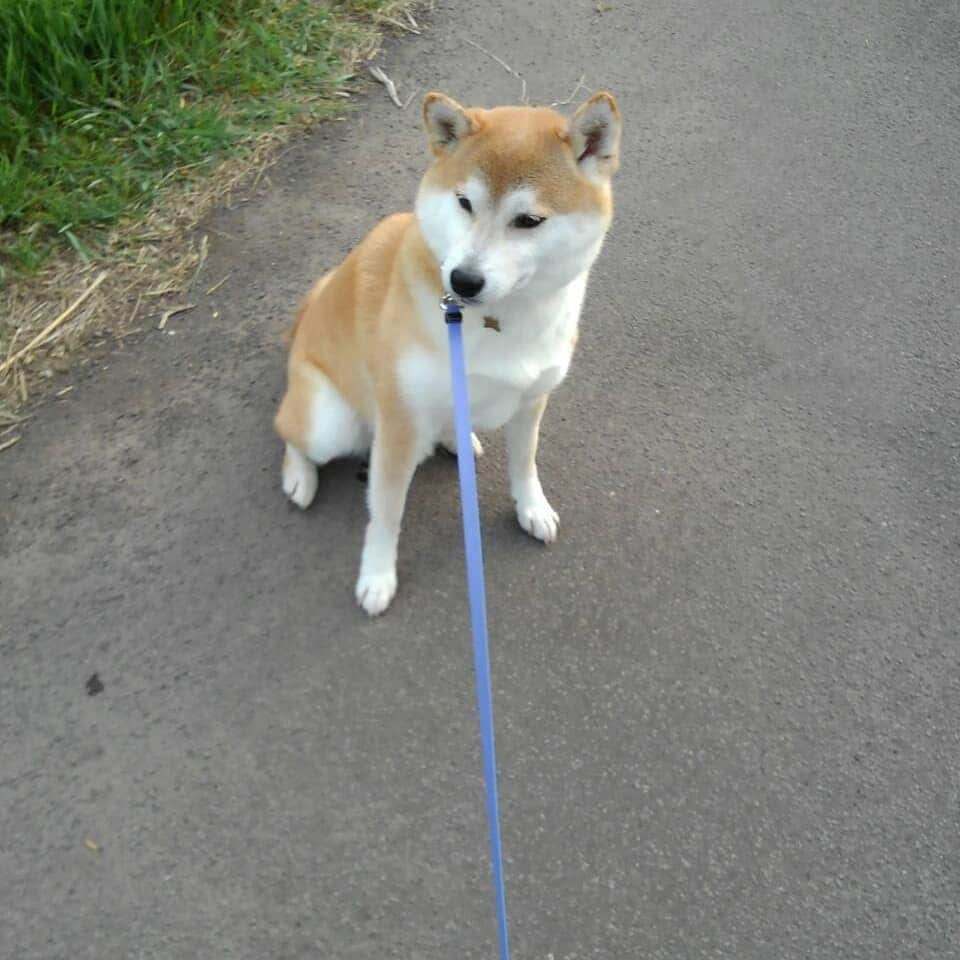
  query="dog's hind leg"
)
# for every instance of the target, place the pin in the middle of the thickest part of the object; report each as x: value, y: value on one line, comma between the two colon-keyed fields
x: 299, y: 477
x: 318, y: 425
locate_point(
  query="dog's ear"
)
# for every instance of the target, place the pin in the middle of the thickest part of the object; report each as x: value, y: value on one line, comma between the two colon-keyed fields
x: 595, y: 136
x: 446, y: 121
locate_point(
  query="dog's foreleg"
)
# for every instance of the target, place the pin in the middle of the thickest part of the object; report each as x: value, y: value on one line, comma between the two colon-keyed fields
x: 393, y: 460
x: 534, y: 512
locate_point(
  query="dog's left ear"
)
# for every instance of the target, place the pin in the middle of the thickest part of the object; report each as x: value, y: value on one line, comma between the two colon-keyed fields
x: 595, y: 136
x: 446, y: 121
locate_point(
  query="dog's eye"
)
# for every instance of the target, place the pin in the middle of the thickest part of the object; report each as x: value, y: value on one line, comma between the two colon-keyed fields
x: 465, y: 204
x: 527, y: 221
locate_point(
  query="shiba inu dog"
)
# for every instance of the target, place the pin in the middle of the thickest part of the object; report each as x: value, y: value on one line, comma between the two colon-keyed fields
x: 509, y: 218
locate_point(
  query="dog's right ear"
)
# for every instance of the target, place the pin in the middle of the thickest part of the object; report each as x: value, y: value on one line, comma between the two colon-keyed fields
x: 446, y: 121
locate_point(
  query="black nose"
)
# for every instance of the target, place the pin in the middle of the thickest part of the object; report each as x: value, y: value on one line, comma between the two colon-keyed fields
x: 465, y: 283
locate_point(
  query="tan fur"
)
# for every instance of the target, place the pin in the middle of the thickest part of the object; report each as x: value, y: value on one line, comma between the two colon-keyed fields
x: 536, y: 141
x: 344, y: 331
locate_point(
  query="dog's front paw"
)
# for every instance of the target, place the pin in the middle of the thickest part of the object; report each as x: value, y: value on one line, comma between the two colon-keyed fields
x: 537, y: 517
x: 376, y: 590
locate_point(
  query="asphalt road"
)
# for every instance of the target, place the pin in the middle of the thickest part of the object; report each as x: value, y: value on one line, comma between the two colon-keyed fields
x: 728, y: 700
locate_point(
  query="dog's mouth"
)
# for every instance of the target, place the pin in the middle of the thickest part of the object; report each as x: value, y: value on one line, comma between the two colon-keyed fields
x: 465, y: 301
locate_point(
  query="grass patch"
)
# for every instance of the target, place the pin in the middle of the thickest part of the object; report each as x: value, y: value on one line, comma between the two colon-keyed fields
x: 121, y: 123
x: 102, y: 102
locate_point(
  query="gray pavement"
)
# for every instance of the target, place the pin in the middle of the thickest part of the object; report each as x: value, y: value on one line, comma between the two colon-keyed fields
x: 728, y: 700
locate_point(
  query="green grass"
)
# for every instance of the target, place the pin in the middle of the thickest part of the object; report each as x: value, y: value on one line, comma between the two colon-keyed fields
x: 103, y: 101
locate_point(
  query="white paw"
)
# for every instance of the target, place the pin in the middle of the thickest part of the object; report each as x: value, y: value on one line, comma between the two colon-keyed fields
x: 538, y: 518
x: 451, y: 446
x: 299, y: 478
x: 376, y: 590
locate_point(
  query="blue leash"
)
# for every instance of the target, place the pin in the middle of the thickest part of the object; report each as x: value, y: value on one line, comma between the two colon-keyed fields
x: 469, y: 505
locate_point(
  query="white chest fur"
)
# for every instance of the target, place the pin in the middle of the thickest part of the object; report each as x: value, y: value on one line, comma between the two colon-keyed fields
x: 527, y: 357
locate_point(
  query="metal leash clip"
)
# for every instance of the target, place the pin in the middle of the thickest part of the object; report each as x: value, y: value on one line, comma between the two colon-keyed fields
x: 451, y: 309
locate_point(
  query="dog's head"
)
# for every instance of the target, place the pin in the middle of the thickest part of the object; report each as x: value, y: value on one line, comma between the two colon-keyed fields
x: 517, y: 199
